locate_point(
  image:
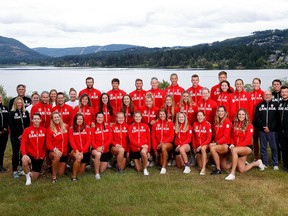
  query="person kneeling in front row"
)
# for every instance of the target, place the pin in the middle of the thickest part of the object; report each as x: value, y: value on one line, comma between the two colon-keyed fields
x: 33, y: 148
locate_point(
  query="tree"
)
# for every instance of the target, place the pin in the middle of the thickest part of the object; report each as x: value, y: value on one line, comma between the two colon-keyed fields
x: 4, y: 95
x: 164, y: 84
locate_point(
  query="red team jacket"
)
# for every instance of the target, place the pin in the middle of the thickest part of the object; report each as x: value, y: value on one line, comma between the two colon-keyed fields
x: 176, y: 91
x: 222, y: 132
x: 162, y: 132
x: 138, y: 98
x: 33, y: 142
x: 195, y: 93
x: 202, y: 134
x: 190, y: 112
x: 139, y: 135
x: 183, y: 137
x: 94, y: 95
x: 149, y: 114
x: 209, y: 108
x: 80, y: 140
x: 101, y: 136
x: 158, y: 97
x: 66, y: 113
x: 169, y: 112
x: 45, y: 112
x: 242, y: 138
x: 241, y: 100
x: 257, y: 96
x: 88, y: 112
x: 120, y: 135
x: 115, y: 97
x: 58, y: 140
x: 215, y: 91
x: 225, y: 99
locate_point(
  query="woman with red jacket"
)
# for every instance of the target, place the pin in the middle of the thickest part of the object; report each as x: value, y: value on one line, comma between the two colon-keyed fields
x: 80, y: 141
x: 86, y: 109
x: 139, y: 135
x: 120, y: 141
x: 127, y: 108
x: 241, y: 145
x: 149, y: 111
x: 33, y: 149
x: 225, y: 96
x: 101, y: 140
x: 106, y: 108
x: 201, y: 138
x: 222, y: 135
x: 57, y: 144
x: 183, y: 136
x: 170, y: 108
x: 162, y: 138
x: 187, y: 106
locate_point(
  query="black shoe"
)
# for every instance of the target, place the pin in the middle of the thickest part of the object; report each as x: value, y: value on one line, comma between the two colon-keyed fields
x: 216, y: 172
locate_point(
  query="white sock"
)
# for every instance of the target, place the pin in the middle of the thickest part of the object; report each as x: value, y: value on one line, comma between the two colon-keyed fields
x: 28, y: 175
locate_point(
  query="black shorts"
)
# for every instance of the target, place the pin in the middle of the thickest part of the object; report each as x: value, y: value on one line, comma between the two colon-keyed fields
x: 36, y: 164
x: 64, y: 159
x: 104, y: 157
x: 86, y: 158
x: 135, y: 155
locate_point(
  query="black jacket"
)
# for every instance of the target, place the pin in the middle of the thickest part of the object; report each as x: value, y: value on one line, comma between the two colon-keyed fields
x: 266, y: 115
x: 17, y: 125
x: 283, y: 115
x: 27, y: 102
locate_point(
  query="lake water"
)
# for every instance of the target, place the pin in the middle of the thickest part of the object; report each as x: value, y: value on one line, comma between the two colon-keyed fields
x: 46, y: 78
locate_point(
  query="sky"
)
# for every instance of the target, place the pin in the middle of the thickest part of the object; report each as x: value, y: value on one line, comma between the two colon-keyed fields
x: 150, y: 23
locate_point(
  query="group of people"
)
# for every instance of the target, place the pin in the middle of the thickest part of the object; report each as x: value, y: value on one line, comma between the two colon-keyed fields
x: 222, y: 125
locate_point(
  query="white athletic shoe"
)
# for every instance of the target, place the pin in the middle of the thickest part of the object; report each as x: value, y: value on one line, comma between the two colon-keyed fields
x: 145, y: 172
x: 202, y: 172
x: 21, y: 172
x: 28, y: 181
x: 275, y: 168
x: 261, y: 165
x: 97, y: 176
x: 169, y: 163
x: 163, y: 170
x: 187, y: 170
x: 230, y: 177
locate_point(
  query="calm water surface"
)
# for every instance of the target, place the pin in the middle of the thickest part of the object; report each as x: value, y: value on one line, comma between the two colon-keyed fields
x: 46, y: 78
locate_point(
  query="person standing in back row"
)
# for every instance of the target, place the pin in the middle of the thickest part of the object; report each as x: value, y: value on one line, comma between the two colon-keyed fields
x: 195, y: 89
x: 21, y: 90
x: 283, y: 123
x: 265, y: 120
x: 116, y: 95
x: 138, y: 95
x: 93, y: 93
x: 158, y: 95
x: 174, y: 89
x: 215, y: 90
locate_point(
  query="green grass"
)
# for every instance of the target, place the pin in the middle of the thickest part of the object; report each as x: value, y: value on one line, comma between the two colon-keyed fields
x: 253, y: 193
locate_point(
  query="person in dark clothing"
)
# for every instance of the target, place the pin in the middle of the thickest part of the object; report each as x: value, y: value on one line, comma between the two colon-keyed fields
x: 283, y: 124
x: 265, y: 119
x: 21, y: 90
x: 18, y: 121
x: 4, y: 114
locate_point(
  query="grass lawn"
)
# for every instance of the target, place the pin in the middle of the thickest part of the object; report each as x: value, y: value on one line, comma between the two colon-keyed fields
x: 253, y: 193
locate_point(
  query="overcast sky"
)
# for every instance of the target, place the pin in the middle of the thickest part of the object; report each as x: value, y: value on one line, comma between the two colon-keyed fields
x: 151, y: 23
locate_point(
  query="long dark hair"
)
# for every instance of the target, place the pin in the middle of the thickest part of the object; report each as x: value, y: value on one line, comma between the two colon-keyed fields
x: 101, y: 104
x: 131, y: 105
x: 229, y: 89
x: 75, y: 126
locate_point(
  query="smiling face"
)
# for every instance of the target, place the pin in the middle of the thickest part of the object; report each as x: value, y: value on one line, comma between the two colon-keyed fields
x: 149, y: 102
x: 73, y: 96
x: 205, y: 94
x: 195, y: 81
x: 221, y: 112
x: 21, y: 91
x: 241, y: 115
x: 19, y: 104
x: 224, y: 87
x: 89, y: 83
x: 84, y: 101
x: 185, y: 97
x: 154, y: 84
x: 56, y: 118
x: 239, y: 85
x: 80, y: 120
x: 120, y: 118
x: 284, y: 94
x: 53, y: 95
x: 256, y: 84
x: 105, y: 99
x: 162, y: 115
x: 45, y: 98
x: 200, y: 117
x: 36, y: 120
x: 100, y: 118
x: 137, y: 117
x: 174, y: 79
x: 126, y: 100
x: 139, y: 85
x: 181, y: 118
x: 60, y: 99
x: 168, y: 101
